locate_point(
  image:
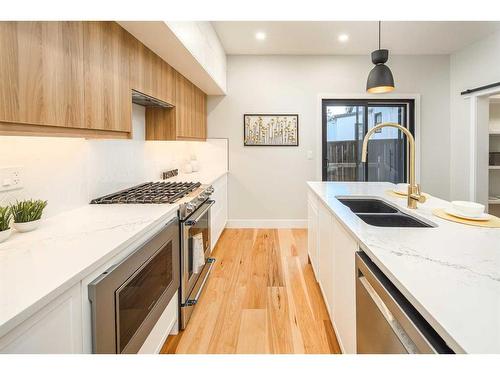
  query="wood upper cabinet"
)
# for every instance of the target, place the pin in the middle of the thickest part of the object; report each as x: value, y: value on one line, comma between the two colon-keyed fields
x: 186, y: 121
x: 185, y: 107
x: 200, y: 110
x: 75, y: 78
x: 168, y: 82
x: 41, y: 73
x: 108, y: 98
x: 190, y: 110
x: 150, y: 75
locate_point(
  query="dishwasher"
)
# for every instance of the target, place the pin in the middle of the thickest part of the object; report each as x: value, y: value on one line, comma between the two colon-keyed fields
x: 386, y: 322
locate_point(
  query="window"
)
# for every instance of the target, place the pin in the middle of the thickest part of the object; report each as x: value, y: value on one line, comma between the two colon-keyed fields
x: 345, y: 123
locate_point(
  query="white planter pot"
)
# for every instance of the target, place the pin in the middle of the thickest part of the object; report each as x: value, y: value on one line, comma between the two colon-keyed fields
x: 27, y: 227
x: 5, y: 234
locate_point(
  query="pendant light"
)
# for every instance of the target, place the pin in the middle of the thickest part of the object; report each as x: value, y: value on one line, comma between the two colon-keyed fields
x: 380, y: 79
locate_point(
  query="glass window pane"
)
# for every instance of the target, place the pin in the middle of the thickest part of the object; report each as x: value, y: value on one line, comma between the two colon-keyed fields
x: 344, y: 135
x: 345, y: 123
x: 386, y: 155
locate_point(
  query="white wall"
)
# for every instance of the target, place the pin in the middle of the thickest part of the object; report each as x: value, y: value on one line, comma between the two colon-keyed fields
x: 473, y: 66
x: 203, y: 43
x: 269, y: 182
x: 69, y: 172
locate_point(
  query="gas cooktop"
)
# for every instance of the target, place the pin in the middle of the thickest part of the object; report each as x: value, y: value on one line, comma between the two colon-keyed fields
x: 150, y: 192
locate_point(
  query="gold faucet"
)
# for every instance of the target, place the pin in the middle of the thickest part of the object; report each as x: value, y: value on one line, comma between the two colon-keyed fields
x: 414, y: 194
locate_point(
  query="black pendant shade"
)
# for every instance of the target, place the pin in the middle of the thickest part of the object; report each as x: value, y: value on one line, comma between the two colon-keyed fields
x: 380, y: 79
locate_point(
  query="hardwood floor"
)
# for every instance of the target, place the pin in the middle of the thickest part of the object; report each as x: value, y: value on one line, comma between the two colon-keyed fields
x: 262, y: 297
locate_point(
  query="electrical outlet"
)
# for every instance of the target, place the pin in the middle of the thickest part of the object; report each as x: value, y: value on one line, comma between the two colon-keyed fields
x: 10, y: 178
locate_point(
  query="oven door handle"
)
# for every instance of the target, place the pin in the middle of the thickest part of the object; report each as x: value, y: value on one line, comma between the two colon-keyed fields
x: 191, y: 222
x: 209, y: 265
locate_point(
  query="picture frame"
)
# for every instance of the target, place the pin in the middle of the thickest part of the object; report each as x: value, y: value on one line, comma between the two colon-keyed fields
x: 280, y: 130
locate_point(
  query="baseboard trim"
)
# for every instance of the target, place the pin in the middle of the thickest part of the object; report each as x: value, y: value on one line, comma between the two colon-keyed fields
x: 266, y: 223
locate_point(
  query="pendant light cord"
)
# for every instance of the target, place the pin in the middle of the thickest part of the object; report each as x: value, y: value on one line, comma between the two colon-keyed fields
x: 379, y: 22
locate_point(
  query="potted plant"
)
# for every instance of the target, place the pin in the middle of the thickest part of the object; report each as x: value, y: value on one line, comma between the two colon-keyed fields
x: 27, y: 214
x: 5, y: 219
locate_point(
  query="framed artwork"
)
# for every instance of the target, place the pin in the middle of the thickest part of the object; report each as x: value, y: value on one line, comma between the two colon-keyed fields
x: 270, y: 130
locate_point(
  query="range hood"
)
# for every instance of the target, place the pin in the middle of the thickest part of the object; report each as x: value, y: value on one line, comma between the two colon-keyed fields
x: 148, y: 101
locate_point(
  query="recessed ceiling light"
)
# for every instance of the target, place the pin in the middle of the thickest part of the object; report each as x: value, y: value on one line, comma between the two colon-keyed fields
x: 260, y: 35
x: 343, y: 38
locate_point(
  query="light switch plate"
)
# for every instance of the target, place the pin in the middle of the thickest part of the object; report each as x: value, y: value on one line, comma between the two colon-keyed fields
x: 10, y: 178
x: 309, y: 155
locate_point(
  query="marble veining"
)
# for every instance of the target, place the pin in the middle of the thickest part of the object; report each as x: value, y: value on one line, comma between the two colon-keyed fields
x: 450, y: 273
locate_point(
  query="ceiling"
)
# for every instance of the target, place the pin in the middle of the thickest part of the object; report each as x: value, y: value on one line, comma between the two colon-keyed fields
x: 320, y: 38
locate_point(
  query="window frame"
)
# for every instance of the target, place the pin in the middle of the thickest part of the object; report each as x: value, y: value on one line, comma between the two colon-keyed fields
x: 366, y: 103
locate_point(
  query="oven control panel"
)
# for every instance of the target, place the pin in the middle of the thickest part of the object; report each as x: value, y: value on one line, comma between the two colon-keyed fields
x: 198, y: 197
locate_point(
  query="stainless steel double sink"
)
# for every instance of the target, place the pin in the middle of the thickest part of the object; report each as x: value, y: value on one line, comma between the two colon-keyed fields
x: 378, y: 213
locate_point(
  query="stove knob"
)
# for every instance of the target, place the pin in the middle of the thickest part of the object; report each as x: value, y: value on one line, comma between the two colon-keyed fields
x: 190, y: 207
x: 210, y: 190
x: 202, y: 197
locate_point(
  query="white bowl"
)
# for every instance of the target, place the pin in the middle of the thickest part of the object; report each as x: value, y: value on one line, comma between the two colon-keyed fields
x: 471, y: 209
x: 26, y: 227
x: 5, y: 234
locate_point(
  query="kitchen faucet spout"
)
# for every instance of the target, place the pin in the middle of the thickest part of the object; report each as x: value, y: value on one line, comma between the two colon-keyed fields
x: 414, y: 194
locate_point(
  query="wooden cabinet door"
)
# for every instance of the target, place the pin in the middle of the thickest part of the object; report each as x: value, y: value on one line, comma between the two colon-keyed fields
x: 167, y: 87
x: 190, y: 107
x: 41, y: 73
x: 108, y: 99
x: 150, y: 74
x: 184, y: 108
x: 200, y: 112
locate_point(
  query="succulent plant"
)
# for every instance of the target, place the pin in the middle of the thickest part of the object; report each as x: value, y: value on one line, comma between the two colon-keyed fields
x: 26, y: 211
x: 5, y: 217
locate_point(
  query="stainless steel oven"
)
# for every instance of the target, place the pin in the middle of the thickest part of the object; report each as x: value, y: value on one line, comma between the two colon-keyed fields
x: 129, y: 297
x: 196, y: 262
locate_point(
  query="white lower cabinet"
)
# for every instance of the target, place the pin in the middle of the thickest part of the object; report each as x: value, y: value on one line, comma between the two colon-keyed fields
x: 218, y: 213
x: 312, y: 230
x: 55, y: 329
x: 344, y: 287
x: 332, y: 252
x: 326, y: 253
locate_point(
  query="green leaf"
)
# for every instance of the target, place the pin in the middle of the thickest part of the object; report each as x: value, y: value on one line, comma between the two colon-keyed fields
x: 5, y: 218
x: 26, y: 211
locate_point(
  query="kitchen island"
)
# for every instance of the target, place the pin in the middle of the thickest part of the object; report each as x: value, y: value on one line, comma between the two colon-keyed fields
x: 449, y: 272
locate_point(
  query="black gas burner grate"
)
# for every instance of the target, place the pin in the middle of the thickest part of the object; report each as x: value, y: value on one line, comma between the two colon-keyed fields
x: 150, y: 192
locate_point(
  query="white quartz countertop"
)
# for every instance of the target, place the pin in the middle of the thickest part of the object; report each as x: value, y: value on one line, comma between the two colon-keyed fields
x: 37, y: 266
x: 451, y: 273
